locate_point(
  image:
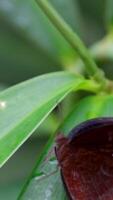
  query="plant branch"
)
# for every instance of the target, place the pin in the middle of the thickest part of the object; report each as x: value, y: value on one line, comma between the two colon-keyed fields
x: 73, y: 40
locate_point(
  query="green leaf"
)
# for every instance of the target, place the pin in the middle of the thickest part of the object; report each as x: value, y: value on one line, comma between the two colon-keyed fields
x: 88, y: 108
x: 45, y: 181
x: 24, y: 106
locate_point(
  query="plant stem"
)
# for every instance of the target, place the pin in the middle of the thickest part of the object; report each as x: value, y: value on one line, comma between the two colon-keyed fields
x: 73, y: 40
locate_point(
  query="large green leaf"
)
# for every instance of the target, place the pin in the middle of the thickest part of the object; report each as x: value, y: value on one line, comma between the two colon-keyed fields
x: 24, y: 106
x: 45, y: 181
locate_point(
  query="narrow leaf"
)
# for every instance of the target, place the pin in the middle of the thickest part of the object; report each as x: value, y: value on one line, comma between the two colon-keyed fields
x: 24, y: 106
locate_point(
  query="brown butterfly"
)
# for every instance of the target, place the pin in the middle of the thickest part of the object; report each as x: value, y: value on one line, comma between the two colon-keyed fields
x: 86, y: 160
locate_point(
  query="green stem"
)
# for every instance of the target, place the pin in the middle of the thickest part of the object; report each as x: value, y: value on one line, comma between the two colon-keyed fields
x: 73, y: 40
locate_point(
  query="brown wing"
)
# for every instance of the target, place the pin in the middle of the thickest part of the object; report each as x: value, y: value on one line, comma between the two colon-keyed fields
x: 87, y: 169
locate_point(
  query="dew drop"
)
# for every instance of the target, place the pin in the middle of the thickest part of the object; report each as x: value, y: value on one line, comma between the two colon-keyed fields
x: 2, y: 105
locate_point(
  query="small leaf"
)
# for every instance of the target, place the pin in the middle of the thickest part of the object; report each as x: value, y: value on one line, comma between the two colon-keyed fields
x: 24, y: 106
x: 90, y: 107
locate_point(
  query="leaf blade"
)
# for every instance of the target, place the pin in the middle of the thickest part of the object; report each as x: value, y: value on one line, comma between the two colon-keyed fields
x: 25, y: 106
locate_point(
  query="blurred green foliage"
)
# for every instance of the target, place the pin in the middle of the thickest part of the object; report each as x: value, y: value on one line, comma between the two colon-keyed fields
x: 29, y: 46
